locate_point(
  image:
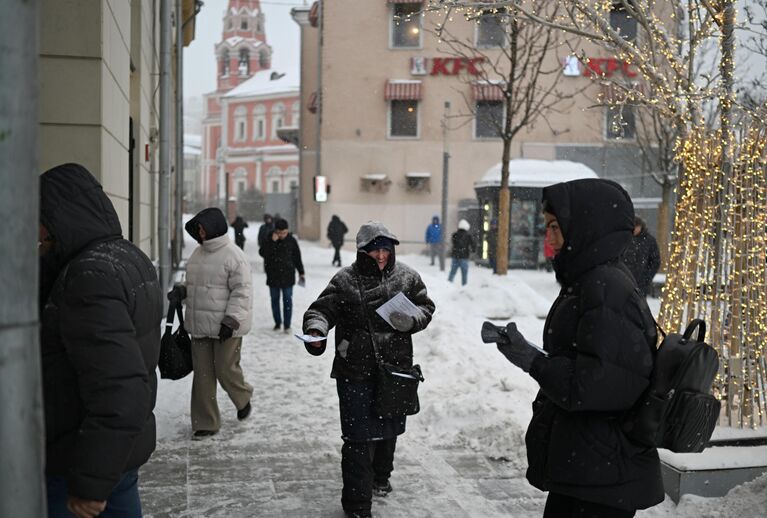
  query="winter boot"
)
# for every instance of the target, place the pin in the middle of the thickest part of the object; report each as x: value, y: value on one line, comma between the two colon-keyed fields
x: 359, y: 514
x: 244, y: 412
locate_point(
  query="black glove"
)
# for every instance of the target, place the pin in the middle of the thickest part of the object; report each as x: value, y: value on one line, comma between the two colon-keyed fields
x: 225, y: 332
x: 401, y: 321
x: 178, y: 293
x: 516, y: 349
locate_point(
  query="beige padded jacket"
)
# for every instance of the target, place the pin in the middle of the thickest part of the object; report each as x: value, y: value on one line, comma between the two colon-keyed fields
x: 218, y: 284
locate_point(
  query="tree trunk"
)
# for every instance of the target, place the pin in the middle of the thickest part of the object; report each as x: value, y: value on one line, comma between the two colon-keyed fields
x: 502, y: 250
x: 663, y: 230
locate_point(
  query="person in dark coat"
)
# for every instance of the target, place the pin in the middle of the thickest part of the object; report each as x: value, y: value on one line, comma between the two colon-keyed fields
x: 265, y: 230
x: 100, y: 341
x: 282, y: 258
x: 600, y: 337
x: 239, y: 225
x: 336, y: 232
x: 348, y: 303
x: 462, y: 247
x: 642, y: 256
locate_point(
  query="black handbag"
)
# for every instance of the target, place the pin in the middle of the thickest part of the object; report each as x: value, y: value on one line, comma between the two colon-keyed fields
x: 176, y: 347
x: 396, y: 391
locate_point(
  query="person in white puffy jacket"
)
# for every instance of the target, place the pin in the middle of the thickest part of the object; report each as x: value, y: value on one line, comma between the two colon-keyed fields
x: 219, y: 302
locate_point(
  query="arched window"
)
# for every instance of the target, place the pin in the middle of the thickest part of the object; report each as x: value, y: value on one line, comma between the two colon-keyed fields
x: 263, y: 59
x: 244, y: 24
x: 240, y: 123
x: 273, y: 179
x: 244, y: 63
x: 225, y: 63
x: 278, y: 118
x: 260, y: 23
x: 259, y: 122
x: 296, y: 116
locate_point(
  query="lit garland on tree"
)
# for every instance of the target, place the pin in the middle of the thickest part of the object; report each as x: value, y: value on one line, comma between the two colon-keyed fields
x: 716, y: 268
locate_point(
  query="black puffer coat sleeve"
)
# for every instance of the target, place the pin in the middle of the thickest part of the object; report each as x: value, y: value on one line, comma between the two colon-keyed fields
x: 608, y: 366
x: 114, y: 384
x: 323, y: 314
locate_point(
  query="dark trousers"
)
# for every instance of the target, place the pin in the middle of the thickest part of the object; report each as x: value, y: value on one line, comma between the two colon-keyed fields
x: 361, y: 463
x: 240, y: 241
x: 123, y: 501
x: 337, y: 255
x: 287, y: 305
x: 561, y: 506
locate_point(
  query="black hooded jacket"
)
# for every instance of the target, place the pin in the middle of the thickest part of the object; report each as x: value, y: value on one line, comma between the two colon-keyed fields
x: 600, y: 336
x: 642, y: 258
x: 211, y: 219
x: 100, y: 338
x: 336, y: 231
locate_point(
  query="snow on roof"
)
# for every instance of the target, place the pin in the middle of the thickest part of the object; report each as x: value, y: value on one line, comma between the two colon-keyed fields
x: 262, y: 84
x: 525, y: 172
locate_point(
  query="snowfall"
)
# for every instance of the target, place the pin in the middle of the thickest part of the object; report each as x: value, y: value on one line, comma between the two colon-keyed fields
x: 472, y: 401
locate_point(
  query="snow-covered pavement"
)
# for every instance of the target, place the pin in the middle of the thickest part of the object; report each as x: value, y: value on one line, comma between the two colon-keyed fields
x: 462, y: 456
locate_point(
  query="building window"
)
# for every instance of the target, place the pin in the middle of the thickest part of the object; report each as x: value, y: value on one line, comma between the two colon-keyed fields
x: 278, y: 118
x: 491, y: 29
x: 244, y: 64
x: 244, y: 25
x: 620, y: 123
x: 488, y: 119
x: 260, y: 23
x: 403, y: 118
x: 623, y: 22
x: 259, y: 122
x: 229, y: 24
x: 293, y: 185
x: 406, y: 25
x: 240, y: 123
x: 276, y: 186
x: 296, y: 116
x: 225, y: 63
x: 263, y: 59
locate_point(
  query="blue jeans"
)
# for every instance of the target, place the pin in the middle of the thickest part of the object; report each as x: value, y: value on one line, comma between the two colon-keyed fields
x: 287, y: 304
x: 463, y: 264
x: 123, y: 501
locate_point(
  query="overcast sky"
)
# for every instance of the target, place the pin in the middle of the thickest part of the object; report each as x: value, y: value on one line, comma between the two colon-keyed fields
x: 199, y: 59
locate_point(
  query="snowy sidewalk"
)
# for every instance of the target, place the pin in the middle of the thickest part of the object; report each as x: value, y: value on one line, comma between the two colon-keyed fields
x: 462, y: 456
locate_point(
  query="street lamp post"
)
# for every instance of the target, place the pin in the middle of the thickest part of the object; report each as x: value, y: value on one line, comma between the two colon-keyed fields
x: 445, y: 168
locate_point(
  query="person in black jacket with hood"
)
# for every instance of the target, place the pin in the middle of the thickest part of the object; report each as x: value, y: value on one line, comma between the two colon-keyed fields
x: 348, y: 303
x: 282, y: 257
x: 101, y: 307
x: 642, y: 256
x: 239, y: 225
x: 336, y: 232
x: 600, y: 338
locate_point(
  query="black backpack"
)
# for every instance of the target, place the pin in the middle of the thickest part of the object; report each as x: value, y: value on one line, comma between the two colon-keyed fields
x: 677, y: 411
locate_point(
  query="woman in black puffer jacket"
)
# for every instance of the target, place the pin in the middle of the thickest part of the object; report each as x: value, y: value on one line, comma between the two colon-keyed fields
x: 600, y: 337
x: 348, y: 303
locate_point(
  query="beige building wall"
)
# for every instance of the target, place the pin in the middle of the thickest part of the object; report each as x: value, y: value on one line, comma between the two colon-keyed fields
x: 98, y: 69
x: 357, y: 60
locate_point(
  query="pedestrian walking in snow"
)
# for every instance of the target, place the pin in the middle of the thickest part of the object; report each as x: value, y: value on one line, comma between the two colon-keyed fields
x: 265, y: 230
x: 600, y: 338
x: 219, y: 306
x: 642, y: 256
x: 282, y: 258
x: 434, y: 241
x: 462, y: 247
x: 348, y: 303
x: 239, y: 225
x: 100, y: 313
x: 336, y: 232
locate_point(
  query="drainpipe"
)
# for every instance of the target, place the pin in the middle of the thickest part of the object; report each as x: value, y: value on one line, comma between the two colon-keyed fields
x: 163, y: 223
x: 179, y: 235
x: 22, y: 489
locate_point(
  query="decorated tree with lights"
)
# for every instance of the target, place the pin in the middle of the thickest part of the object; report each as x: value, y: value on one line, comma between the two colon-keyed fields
x: 716, y: 267
x: 520, y: 70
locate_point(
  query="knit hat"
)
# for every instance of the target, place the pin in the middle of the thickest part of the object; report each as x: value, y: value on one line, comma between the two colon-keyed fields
x: 281, y: 224
x: 464, y: 225
x: 380, y: 243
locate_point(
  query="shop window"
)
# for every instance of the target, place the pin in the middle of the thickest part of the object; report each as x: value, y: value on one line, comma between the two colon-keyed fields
x: 491, y: 29
x: 406, y: 25
x: 622, y: 21
x: 488, y: 119
x: 403, y: 118
x: 620, y: 123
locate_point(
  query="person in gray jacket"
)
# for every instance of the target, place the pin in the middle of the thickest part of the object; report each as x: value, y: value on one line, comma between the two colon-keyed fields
x: 348, y: 303
x: 218, y: 292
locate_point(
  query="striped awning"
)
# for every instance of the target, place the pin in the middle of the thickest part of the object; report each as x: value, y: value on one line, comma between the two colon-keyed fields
x: 402, y: 91
x: 487, y: 91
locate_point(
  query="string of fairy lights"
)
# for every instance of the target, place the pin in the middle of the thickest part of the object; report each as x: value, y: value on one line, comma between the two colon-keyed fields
x: 716, y: 266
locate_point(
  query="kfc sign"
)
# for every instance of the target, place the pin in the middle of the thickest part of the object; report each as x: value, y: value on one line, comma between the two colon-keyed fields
x: 596, y: 67
x: 421, y: 66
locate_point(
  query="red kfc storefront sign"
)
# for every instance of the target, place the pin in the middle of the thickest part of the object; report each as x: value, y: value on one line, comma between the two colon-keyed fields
x: 597, y: 67
x: 421, y: 66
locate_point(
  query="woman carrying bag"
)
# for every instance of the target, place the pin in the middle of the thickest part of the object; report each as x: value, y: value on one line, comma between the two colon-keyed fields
x: 364, y: 343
